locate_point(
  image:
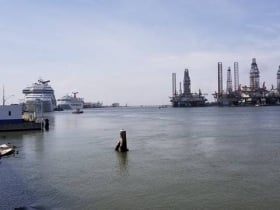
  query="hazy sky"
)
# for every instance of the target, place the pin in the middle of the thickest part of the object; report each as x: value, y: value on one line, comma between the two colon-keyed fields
x: 125, y: 51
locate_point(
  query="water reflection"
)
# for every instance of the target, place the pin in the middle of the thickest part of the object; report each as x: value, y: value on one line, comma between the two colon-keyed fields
x: 5, y: 136
x: 122, y: 162
x: 13, y: 138
x: 26, y: 142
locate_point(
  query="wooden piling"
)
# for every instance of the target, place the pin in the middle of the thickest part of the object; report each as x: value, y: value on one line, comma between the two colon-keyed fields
x: 47, y: 124
x: 122, y: 143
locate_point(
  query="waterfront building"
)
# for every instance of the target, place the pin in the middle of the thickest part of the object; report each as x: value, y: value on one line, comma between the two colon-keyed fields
x: 11, y: 119
x: 10, y: 114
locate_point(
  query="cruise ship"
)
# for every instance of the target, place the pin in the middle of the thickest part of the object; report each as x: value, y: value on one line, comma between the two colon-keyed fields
x: 71, y: 102
x: 39, y: 97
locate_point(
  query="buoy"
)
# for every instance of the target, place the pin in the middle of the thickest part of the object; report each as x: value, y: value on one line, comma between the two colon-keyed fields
x: 122, y: 143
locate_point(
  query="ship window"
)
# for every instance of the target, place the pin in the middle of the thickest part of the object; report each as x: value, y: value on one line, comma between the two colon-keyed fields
x: 10, y: 113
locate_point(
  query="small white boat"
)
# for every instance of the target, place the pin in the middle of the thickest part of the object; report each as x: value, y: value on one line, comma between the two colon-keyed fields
x: 6, y: 149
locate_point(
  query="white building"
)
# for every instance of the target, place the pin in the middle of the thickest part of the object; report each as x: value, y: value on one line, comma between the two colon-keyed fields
x: 10, y: 113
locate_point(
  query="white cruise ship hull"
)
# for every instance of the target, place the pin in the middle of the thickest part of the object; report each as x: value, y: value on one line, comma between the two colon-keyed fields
x: 71, y: 106
x: 39, y: 97
x: 38, y: 106
x: 70, y: 102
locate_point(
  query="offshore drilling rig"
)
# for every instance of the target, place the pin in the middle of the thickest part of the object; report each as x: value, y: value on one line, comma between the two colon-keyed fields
x: 244, y: 95
x: 186, y: 98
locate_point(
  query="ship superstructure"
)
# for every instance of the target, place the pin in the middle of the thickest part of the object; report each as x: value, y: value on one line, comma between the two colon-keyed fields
x: 39, y: 97
x: 186, y: 98
x: 70, y: 102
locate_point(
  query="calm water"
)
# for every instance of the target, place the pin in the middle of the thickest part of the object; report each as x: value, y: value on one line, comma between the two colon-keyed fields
x: 193, y: 158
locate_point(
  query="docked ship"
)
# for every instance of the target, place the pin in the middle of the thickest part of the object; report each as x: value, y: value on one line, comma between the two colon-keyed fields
x: 115, y: 104
x: 71, y: 102
x: 97, y: 104
x: 186, y: 98
x: 39, y: 97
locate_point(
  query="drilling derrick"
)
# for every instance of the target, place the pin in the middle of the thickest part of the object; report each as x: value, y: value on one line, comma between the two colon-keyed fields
x: 254, y: 76
x: 278, y: 80
x: 229, y: 81
x: 228, y: 97
x: 187, y: 83
x: 253, y: 95
x: 186, y: 98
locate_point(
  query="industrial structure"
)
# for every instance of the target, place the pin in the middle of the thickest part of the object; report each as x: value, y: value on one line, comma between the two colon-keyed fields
x: 185, y: 98
x: 278, y: 79
x: 243, y: 95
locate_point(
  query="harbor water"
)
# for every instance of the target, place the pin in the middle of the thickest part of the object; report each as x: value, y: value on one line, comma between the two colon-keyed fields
x: 179, y: 158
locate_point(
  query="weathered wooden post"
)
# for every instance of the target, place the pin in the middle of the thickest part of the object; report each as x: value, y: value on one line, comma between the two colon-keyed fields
x: 47, y: 124
x: 122, y: 143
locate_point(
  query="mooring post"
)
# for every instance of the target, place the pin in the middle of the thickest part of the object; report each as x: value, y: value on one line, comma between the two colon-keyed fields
x: 122, y: 143
x: 47, y: 124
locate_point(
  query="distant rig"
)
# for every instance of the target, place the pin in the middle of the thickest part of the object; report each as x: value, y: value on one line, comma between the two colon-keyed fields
x: 243, y: 95
x: 186, y: 98
x: 233, y: 95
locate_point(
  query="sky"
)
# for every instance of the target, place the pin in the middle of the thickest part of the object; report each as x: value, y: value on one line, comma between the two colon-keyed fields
x: 126, y: 50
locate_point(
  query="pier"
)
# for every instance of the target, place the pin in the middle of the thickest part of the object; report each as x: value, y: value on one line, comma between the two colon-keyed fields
x: 11, y: 119
x: 23, y: 126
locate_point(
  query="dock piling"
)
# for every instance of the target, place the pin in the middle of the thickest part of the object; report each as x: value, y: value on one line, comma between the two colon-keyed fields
x: 122, y: 143
x: 47, y: 124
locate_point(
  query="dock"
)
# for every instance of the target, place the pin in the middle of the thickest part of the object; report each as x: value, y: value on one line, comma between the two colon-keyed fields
x: 12, y: 119
x: 23, y: 126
